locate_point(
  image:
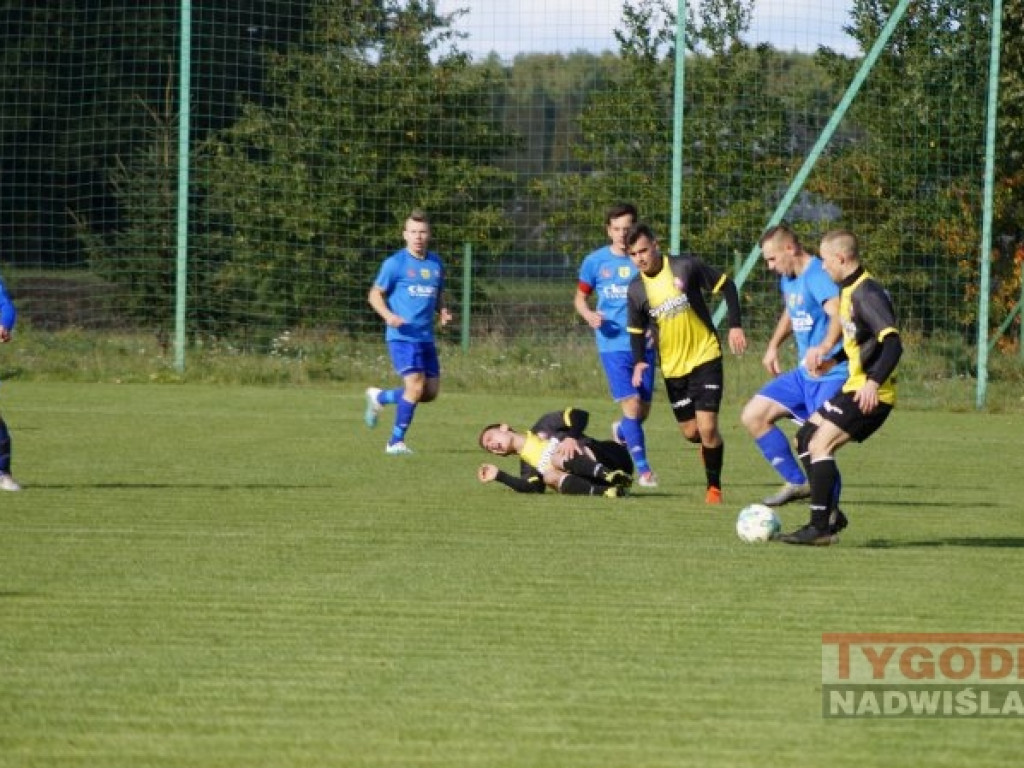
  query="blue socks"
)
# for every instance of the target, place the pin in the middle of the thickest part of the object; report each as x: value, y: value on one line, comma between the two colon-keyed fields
x: 403, y: 418
x: 633, y: 433
x: 774, y: 446
x: 389, y: 396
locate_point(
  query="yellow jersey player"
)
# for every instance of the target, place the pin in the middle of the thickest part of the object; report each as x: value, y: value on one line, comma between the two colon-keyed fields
x: 668, y: 296
x: 872, y: 348
x: 556, y: 453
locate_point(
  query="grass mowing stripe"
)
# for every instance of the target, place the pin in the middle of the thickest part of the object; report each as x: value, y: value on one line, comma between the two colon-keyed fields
x: 244, y: 579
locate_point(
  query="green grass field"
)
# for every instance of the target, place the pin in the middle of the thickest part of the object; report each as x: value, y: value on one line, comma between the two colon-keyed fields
x: 230, y: 576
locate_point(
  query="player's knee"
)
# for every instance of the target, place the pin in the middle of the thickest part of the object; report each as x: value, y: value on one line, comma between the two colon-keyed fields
x: 644, y: 410
x: 752, y: 418
x: 415, y: 390
x: 690, y: 432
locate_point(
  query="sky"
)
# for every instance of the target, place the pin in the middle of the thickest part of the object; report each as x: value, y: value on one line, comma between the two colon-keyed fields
x: 511, y: 27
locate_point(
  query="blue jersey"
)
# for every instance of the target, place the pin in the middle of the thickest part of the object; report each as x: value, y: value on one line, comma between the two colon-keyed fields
x: 805, y: 296
x: 7, y: 312
x: 608, y: 276
x: 412, y: 287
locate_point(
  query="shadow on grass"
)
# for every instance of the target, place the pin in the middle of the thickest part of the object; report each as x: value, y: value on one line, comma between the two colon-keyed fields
x: 916, y: 503
x: 1000, y: 542
x: 172, y: 486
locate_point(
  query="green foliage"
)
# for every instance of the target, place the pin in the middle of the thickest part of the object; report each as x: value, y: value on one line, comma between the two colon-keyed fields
x: 908, y: 179
x: 372, y: 117
x: 317, y: 125
x: 738, y: 130
x: 142, y: 254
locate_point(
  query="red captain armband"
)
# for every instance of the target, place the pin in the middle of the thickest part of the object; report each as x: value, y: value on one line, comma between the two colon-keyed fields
x: 585, y: 289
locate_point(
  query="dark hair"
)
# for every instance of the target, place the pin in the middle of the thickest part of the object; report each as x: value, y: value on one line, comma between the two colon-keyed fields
x: 779, y: 230
x: 620, y: 209
x: 638, y: 230
x: 418, y: 214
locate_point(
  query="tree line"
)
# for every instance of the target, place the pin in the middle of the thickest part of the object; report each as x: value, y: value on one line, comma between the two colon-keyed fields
x: 317, y: 124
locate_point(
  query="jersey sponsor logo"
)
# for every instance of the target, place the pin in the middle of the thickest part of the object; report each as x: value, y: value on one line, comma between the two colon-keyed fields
x: 614, y: 292
x: 422, y: 291
x: 675, y: 306
x: 802, y: 322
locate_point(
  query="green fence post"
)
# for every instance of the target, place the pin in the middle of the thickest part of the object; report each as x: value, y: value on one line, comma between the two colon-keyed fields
x: 819, y: 146
x: 984, y: 288
x: 184, y: 116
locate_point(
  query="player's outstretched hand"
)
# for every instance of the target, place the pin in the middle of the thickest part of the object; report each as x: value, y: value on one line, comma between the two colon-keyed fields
x: 485, y: 473
x: 737, y: 341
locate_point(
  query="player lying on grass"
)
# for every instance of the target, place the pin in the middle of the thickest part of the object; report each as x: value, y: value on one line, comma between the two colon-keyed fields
x: 555, y: 453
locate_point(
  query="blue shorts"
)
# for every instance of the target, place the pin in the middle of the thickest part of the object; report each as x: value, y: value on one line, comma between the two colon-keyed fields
x: 798, y: 394
x: 618, y: 369
x: 415, y: 357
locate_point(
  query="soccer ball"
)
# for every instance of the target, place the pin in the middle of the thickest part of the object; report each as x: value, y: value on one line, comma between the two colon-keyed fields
x: 758, y: 522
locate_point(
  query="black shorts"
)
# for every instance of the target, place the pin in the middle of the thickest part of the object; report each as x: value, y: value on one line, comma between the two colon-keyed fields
x: 844, y: 412
x: 612, y: 454
x: 700, y: 390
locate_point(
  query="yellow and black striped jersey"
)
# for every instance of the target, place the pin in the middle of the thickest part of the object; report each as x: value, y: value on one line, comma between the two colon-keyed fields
x: 868, y: 317
x: 672, y: 302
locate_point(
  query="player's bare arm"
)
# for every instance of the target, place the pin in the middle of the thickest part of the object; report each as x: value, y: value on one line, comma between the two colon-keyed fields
x: 591, y: 317
x: 783, y: 329
x: 817, y: 361
x: 379, y: 302
x: 444, y: 314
